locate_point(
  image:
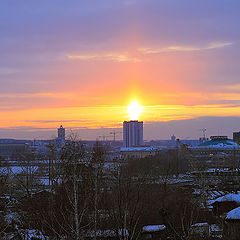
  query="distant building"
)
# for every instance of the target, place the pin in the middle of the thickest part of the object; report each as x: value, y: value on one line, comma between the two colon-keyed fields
x: 140, y: 152
x: 42, y: 146
x: 203, y: 139
x: 236, y: 137
x: 61, y: 132
x: 132, y: 133
x: 173, y: 138
x: 233, y: 223
x: 11, y: 151
x: 60, y: 141
x: 173, y: 142
x: 217, y: 152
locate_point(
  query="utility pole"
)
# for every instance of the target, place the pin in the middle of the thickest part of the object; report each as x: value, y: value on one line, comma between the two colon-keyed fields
x: 51, y: 165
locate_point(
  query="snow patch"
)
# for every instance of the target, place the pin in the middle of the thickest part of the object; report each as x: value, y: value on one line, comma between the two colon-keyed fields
x: 153, y: 228
x: 234, y: 214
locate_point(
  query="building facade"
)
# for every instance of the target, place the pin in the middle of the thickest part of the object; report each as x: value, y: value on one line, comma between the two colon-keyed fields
x: 139, y: 152
x: 219, y: 152
x: 61, y: 132
x: 132, y: 133
x: 60, y: 141
x: 236, y: 137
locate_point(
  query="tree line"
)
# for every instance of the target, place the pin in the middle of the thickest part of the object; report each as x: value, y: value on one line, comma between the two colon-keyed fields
x: 87, y: 200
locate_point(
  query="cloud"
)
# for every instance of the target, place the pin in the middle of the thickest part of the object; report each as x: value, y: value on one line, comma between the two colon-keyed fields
x: 219, y: 45
x: 9, y: 71
x: 122, y: 57
x: 189, y: 128
x: 56, y: 121
x: 105, y: 57
x: 83, y: 57
x: 179, y: 48
x: 183, y: 129
x: 25, y: 128
x: 227, y: 96
x: 21, y: 101
x: 36, y: 95
x: 235, y: 87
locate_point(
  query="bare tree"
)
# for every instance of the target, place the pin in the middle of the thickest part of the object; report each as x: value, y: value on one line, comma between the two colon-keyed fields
x: 26, y: 179
x: 125, y: 205
x: 3, y: 190
x: 74, y: 193
x: 97, y: 161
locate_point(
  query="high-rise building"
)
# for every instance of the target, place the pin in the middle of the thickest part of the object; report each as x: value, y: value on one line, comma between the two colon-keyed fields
x: 60, y: 141
x: 61, y: 132
x: 132, y: 133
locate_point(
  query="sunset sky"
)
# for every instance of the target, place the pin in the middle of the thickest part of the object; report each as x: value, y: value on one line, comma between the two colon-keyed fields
x: 81, y: 63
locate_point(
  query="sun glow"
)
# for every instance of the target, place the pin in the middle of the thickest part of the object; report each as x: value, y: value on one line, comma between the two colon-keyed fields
x: 134, y: 110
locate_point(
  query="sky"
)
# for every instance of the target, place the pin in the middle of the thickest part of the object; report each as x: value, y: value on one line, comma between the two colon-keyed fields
x: 81, y: 63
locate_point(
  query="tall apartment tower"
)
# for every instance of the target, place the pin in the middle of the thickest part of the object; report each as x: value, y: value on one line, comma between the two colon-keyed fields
x: 132, y: 133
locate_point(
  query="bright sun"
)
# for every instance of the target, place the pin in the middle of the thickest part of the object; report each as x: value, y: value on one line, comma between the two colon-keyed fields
x: 134, y: 110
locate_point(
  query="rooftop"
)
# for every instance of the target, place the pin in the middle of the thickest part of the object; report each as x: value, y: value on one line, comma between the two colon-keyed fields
x: 231, y: 197
x: 140, y: 149
x: 153, y: 228
x: 219, y: 142
x: 234, y: 214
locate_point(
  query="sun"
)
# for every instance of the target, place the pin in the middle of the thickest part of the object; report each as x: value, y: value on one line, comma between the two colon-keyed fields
x: 134, y: 110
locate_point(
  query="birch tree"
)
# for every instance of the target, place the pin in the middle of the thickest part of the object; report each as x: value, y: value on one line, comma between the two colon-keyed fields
x: 74, y: 194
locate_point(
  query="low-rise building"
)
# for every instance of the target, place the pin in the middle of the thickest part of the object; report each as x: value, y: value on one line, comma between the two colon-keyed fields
x: 139, y: 151
x: 219, y: 152
x: 233, y: 224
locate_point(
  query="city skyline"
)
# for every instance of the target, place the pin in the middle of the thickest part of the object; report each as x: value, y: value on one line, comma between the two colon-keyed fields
x: 81, y: 64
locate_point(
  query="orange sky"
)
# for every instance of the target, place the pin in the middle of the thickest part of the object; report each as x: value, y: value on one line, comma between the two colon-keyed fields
x: 84, y: 64
x: 99, y: 97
